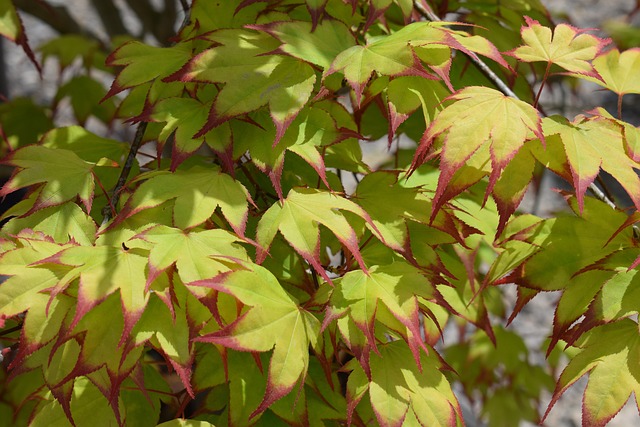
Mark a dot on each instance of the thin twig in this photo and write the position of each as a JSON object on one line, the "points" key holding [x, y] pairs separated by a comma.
{"points": [[479, 63], [484, 68], [107, 212]]}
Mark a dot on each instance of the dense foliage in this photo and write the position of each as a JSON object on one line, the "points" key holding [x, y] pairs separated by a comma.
{"points": [[244, 259]]}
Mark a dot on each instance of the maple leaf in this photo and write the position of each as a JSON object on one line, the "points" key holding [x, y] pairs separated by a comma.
{"points": [[319, 47], [197, 191], [25, 282], [197, 254], [274, 321], [480, 119], [103, 270], [567, 47], [397, 286], [63, 175], [184, 117], [64, 223], [609, 354], [617, 70], [241, 60], [298, 218], [398, 389], [591, 144], [168, 328], [11, 27], [568, 244], [400, 54], [143, 63]]}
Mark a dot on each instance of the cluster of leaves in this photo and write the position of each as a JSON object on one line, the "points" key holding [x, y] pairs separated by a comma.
{"points": [[266, 271]]}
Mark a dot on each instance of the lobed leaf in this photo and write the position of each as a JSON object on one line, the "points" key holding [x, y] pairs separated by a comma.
{"points": [[298, 218], [567, 47], [63, 175], [397, 386], [479, 119], [143, 63], [397, 286], [197, 191], [609, 354], [275, 321]]}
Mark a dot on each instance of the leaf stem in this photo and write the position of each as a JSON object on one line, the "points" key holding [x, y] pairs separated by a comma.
{"points": [[544, 80], [107, 214]]}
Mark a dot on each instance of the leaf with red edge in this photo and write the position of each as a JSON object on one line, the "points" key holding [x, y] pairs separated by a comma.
{"points": [[568, 244], [274, 321], [63, 175], [102, 271], [631, 133], [399, 389], [478, 118], [11, 27], [316, 10], [609, 354], [184, 117], [298, 218], [254, 77], [618, 70], [197, 254], [592, 144], [25, 282], [169, 331], [567, 47], [143, 63], [319, 47], [197, 192], [402, 54], [397, 286]]}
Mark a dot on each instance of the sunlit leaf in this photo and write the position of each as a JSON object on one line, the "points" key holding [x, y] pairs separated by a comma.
{"points": [[566, 46], [274, 321]]}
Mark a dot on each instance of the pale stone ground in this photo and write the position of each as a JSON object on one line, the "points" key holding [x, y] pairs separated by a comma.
{"points": [[534, 322]]}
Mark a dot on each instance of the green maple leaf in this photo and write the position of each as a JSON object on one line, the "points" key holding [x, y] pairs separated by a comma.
{"points": [[86, 145], [319, 47], [568, 244], [298, 218], [397, 386], [63, 175], [274, 321], [208, 16], [99, 334], [591, 144], [64, 223], [395, 286], [197, 192], [197, 254], [618, 70], [26, 282], [400, 54], [609, 354], [102, 271], [168, 329], [567, 47], [184, 117], [618, 295], [143, 63], [253, 78], [481, 121]]}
